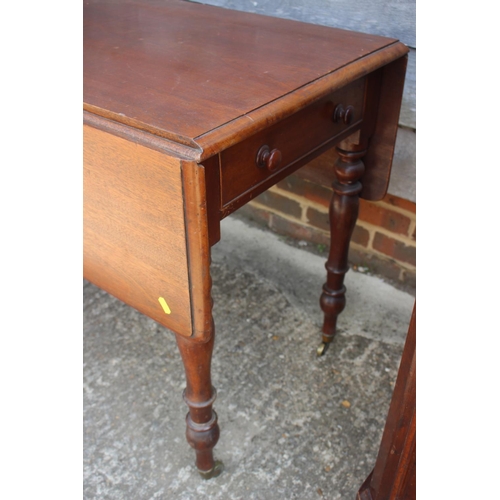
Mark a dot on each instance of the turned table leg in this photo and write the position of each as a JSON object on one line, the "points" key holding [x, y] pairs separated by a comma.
{"points": [[202, 430], [344, 208]]}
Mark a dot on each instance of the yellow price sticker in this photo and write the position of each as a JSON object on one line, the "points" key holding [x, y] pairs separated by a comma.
{"points": [[164, 305]]}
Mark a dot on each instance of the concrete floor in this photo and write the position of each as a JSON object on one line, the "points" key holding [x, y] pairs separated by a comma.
{"points": [[293, 426]]}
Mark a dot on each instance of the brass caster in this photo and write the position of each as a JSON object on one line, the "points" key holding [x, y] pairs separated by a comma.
{"points": [[214, 472], [323, 347]]}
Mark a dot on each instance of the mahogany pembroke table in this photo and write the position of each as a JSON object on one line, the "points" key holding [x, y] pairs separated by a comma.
{"points": [[190, 111]]}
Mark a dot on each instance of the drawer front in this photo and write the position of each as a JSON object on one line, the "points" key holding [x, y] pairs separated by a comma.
{"points": [[283, 144]]}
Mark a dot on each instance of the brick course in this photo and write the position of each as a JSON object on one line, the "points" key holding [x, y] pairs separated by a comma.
{"points": [[317, 218], [280, 203], [308, 190], [393, 248], [378, 215]]}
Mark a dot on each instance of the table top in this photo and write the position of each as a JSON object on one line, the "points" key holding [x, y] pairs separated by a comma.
{"points": [[181, 103], [196, 74]]}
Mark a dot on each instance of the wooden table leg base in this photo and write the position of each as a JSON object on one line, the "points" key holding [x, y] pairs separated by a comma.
{"points": [[215, 471], [365, 492], [203, 437], [202, 430], [323, 347]]}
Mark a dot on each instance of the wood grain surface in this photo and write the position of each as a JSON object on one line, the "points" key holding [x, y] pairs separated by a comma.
{"points": [[210, 85], [181, 69], [178, 99], [394, 474], [134, 234], [391, 18], [378, 160], [198, 247], [294, 137], [382, 107]]}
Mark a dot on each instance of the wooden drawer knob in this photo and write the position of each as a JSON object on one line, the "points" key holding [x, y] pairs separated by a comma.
{"points": [[268, 158], [345, 115]]}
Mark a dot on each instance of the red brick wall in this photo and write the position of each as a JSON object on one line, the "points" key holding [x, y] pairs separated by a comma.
{"points": [[384, 239]]}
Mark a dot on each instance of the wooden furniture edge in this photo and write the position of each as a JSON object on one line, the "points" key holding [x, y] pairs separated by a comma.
{"points": [[393, 476], [139, 125], [142, 137], [242, 127], [300, 162], [131, 191], [198, 248], [199, 236], [378, 160], [246, 125]]}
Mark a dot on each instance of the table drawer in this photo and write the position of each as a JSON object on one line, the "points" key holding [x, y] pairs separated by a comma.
{"points": [[283, 144]]}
